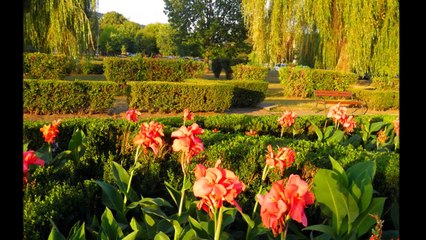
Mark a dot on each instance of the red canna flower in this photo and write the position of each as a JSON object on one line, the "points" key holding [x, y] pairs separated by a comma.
{"points": [[396, 126], [280, 160], [187, 141], [287, 119], [50, 131], [30, 159], [150, 136], [215, 130], [132, 115], [298, 196], [215, 185], [284, 202], [187, 115]]}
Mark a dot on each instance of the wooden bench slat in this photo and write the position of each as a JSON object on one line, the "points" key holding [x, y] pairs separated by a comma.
{"points": [[346, 98]]}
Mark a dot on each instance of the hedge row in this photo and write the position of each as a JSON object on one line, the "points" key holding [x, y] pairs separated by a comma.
{"points": [[175, 97], [249, 72], [381, 100], [385, 83], [58, 96], [301, 82], [87, 66], [121, 70], [68, 194], [245, 94], [46, 66]]}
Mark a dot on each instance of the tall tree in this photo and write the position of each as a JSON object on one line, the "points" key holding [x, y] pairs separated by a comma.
{"points": [[206, 26], [164, 40], [350, 35], [59, 26]]}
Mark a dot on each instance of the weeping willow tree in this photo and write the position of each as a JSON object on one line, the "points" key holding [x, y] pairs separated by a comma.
{"points": [[59, 26], [350, 35]]}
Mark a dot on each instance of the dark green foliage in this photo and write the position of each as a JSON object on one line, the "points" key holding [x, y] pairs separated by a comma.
{"points": [[226, 65], [216, 67], [379, 99], [91, 67], [248, 93], [175, 97], [249, 72], [45, 66], [57, 96], [301, 82]]}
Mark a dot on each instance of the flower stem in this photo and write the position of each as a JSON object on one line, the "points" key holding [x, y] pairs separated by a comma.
{"points": [[182, 195], [218, 229], [282, 131], [284, 233], [131, 174]]}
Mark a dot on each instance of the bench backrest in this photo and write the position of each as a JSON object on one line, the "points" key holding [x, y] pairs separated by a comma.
{"points": [[332, 93]]}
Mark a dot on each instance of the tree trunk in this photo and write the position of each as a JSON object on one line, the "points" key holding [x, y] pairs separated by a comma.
{"points": [[343, 62]]}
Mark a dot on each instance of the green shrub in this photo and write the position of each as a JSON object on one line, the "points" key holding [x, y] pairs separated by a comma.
{"points": [[247, 93], [92, 67], [175, 97], [216, 67], [301, 82], [57, 96], [249, 72], [379, 99], [45, 66], [385, 83]]}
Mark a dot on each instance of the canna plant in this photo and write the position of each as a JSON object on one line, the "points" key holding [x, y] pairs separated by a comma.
{"points": [[286, 121], [346, 198]]}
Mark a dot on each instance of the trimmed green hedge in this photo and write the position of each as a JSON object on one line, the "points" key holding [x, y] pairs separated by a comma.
{"points": [[91, 66], [58, 96], [301, 82], [175, 97], [249, 72], [385, 83], [67, 194], [46, 66], [247, 93], [381, 100]]}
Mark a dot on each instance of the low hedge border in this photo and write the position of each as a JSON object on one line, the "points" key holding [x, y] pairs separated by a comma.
{"points": [[249, 72], [59, 96], [380, 100], [46, 66], [175, 97]]}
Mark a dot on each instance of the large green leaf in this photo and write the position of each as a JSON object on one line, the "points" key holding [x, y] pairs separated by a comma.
{"points": [[54, 233], [132, 236], [228, 216], [329, 131], [317, 131], [367, 195], [365, 222], [109, 226], [161, 236], [336, 137], [324, 229], [122, 180], [248, 220], [339, 169], [111, 197], [374, 127], [175, 194], [328, 192], [77, 232], [196, 226], [77, 144], [358, 171]]}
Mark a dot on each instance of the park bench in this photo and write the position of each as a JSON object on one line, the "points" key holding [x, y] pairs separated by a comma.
{"points": [[345, 98]]}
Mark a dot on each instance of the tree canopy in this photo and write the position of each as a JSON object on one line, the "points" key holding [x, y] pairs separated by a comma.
{"points": [[351, 35], [205, 27], [59, 26]]}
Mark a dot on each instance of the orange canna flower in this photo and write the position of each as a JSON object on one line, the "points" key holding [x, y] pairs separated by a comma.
{"points": [[287, 119], [132, 115], [396, 126], [381, 137], [30, 159], [50, 131], [215, 185], [150, 136], [280, 160], [187, 141], [251, 133], [215, 130], [187, 115]]}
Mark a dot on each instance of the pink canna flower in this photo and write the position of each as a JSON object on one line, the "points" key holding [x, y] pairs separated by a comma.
{"points": [[396, 126], [298, 196], [187, 115], [284, 202], [280, 160], [287, 119], [187, 141], [50, 131], [132, 115], [30, 159], [150, 136], [216, 185], [348, 123], [337, 112]]}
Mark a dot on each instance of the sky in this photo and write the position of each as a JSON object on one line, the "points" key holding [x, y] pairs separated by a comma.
{"points": [[140, 11]]}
